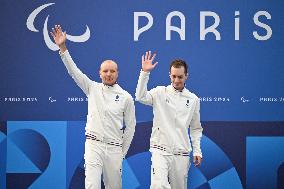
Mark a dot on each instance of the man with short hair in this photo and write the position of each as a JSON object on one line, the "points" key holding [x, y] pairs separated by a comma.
{"points": [[175, 110], [109, 106]]}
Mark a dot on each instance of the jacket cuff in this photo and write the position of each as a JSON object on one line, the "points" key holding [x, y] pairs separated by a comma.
{"points": [[197, 154], [64, 53], [143, 73]]}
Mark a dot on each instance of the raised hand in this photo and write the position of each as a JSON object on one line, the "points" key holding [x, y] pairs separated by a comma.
{"points": [[59, 37], [147, 62]]}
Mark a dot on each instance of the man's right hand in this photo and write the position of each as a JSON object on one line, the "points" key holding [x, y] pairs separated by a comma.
{"points": [[59, 38], [147, 62]]}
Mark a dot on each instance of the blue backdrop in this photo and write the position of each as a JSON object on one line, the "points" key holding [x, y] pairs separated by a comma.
{"points": [[236, 69]]}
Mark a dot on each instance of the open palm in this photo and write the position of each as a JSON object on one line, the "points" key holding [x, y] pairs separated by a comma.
{"points": [[58, 36], [147, 62]]}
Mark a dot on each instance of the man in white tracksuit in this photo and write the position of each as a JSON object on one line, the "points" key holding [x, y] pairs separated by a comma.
{"points": [[109, 107], [175, 110]]}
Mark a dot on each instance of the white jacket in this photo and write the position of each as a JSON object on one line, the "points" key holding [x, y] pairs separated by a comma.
{"points": [[174, 112], [109, 107]]}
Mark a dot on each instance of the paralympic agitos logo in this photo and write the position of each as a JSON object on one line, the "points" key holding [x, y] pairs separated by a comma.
{"points": [[49, 43]]}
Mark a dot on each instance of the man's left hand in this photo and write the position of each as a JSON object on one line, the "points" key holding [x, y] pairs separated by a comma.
{"points": [[197, 161]]}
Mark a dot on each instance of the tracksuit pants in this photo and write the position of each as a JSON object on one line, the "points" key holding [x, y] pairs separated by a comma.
{"points": [[169, 171], [102, 159]]}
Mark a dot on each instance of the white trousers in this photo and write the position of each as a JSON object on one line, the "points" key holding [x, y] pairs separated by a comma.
{"points": [[169, 171], [102, 159]]}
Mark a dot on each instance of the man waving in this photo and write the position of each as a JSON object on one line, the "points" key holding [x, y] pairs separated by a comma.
{"points": [[175, 110]]}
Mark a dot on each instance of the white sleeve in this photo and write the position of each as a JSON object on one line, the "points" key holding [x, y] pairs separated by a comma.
{"points": [[130, 122], [196, 130], [142, 95], [81, 79]]}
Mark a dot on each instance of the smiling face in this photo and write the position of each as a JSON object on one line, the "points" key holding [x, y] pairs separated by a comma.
{"points": [[178, 74], [178, 77], [109, 72]]}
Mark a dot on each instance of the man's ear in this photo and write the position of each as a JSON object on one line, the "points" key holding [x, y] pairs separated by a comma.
{"points": [[100, 74], [186, 76]]}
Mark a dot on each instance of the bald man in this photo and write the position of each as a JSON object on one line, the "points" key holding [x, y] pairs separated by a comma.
{"points": [[109, 107]]}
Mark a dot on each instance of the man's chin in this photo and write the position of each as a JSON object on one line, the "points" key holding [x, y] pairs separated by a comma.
{"points": [[178, 87], [109, 83]]}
